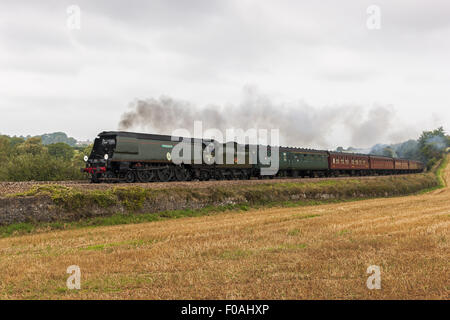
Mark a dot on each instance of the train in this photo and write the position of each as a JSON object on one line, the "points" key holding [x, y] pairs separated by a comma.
{"points": [[119, 156]]}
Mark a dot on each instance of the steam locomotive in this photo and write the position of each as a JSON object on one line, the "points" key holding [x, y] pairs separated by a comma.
{"points": [[135, 157]]}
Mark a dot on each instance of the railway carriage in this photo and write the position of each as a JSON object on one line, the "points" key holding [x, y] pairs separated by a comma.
{"points": [[401, 165], [348, 163], [415, 166], [381, 165], [296, 162]]}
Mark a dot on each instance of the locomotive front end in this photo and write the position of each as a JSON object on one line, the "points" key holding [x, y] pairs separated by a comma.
{"points": [[98, 161]]}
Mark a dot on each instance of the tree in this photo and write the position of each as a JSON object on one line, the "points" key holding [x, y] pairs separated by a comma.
{"points": [[5, 152], [432, 144], [14, 141], [5, 146], [61, 150], [388, 152], [407, 150], [31, 146], [56, 137]]}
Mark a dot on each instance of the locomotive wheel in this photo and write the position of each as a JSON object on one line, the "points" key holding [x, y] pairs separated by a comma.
{"points": [[110, 176], [181, 174], [229, 175], [130, 177], [204, 175], [245, 175], [189, 174], [95, 178], [220, 175], [165, 175], [145, 175]]}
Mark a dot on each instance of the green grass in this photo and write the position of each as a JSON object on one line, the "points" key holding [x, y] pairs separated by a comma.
{"points": [[287, 246], [440, 171], [132, 243], [294, 232], [235, 254]]}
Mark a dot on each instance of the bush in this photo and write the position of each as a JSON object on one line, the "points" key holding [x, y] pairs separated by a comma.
{"points": [[28, 159], [61, 150], [41, 167]]}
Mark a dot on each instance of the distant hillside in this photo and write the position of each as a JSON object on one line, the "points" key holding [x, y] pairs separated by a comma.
{"points": [[354, 150], [55, 137], [408, 149]]}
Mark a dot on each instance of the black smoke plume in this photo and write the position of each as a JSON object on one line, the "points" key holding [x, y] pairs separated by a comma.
{"points": [[300, 124]]}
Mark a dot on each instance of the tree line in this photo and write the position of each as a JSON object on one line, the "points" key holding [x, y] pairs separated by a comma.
{"points": [[27, 159]]}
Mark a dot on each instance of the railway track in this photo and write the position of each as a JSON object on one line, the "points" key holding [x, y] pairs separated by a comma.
{"points": [[23, 186]]}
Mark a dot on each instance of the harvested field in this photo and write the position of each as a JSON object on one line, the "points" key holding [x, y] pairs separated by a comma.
{"points": [[277, 253]]}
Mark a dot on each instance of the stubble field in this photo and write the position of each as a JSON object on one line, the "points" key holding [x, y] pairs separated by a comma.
{"points": [[276, 253]]}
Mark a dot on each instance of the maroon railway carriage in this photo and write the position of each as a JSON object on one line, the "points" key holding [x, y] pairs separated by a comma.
{"points": [[351, 163], [415, 166], [379, 164], [401, 165]]}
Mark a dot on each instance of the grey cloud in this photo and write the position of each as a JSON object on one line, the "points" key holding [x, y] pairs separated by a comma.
{"points": [[206, 50]]}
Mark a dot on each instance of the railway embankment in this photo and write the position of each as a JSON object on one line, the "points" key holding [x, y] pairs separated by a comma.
{"points": [[57, 204]]}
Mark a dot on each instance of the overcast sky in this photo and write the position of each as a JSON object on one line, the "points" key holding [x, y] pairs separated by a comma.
{"points": [[206, 52]]}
